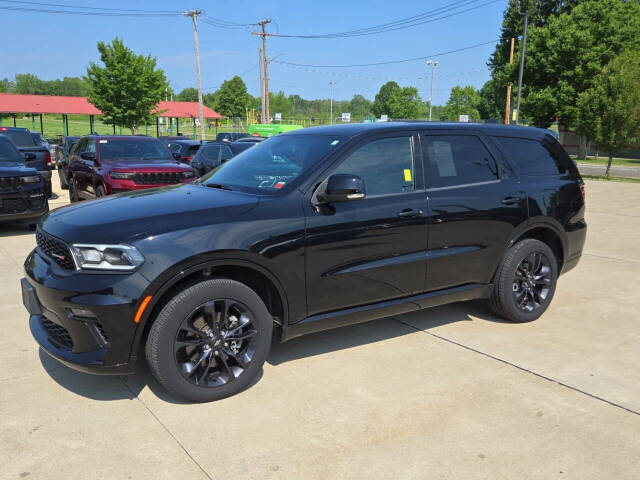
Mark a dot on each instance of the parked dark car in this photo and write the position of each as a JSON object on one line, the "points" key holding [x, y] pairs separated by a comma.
{"points": [[22, 189], [102, 165], [24, 142], [63, 152], [166, 139], [251, 139], [230, 136], [211, 155], [184, 149], [310, 230], [42, 142]]}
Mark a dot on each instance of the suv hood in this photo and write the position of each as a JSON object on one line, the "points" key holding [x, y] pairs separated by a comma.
{"points": [[142, 165], [129, 216], [14, 169]]}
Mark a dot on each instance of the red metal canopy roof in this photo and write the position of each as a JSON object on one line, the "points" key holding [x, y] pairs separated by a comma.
{"points": [[11, 103], [184, 110], [14, 103]]}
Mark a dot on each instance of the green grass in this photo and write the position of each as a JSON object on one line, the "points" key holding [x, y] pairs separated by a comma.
{"points": [[79, 125], [599, 178], [620, 162]]}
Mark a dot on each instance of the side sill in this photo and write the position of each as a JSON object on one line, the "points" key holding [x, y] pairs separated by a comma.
{"points": [[350, 316]]}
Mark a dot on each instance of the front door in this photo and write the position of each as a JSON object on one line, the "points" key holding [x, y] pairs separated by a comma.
{"points": [[475, 204], [365, 251]]}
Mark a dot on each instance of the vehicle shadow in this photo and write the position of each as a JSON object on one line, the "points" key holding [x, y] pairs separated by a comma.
{"points": [[107, 388], [378, 330], [12, 229]]}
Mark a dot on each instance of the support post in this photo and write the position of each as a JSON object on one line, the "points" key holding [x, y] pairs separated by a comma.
{"points": [[41, 125], [14, 119], [522, 55], [91, 124], [157, 127], [507, 112]]}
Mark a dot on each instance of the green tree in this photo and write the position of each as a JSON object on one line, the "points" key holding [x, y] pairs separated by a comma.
{"points": [[565, 56], [27, 83], [405, 103], [127, 88], [232, 99], [381, 103], [609, 112], [360, 107], [188, 94], [6, 86], [462, 101]]}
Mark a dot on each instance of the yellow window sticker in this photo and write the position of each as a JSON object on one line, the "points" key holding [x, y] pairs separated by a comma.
{"points": [[407, 175]]}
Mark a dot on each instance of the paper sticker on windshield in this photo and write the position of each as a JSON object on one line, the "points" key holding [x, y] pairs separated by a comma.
{"points": [[335, 142], [102, 141], [279, 185], [407, 175]]}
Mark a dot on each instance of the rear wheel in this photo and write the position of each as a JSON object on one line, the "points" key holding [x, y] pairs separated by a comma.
{"points": [[64, 184], [73, 191], [210, 341], [100, 191], [525, 282]]}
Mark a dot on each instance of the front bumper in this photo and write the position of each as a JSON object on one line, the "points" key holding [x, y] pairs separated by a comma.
{"points": [[25, 205], [102, 342]]}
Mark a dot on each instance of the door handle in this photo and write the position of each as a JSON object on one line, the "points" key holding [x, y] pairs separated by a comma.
{"points": [[410, 213], [511, 200]]}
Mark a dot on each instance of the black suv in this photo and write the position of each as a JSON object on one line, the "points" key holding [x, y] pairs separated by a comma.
{"points": [[22, 189], [310, 230]]}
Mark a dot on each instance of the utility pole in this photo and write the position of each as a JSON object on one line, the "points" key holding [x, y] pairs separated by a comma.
{"points": [[331, 84], [265, 111], [524, 48], [507, 111], [194, 17], [261, 68], [433, 64]]}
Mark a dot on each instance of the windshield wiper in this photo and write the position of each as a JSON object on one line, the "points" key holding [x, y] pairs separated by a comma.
{"points": [[218, 185]]}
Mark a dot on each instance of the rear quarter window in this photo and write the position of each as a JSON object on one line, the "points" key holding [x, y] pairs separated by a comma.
{"points": [[532, 157]]}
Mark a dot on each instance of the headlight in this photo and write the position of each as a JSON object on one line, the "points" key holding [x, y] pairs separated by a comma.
{"points": [[106, 257], [122, 175], [30, 179]]}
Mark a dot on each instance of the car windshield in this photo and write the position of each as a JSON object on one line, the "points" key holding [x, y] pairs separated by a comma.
{"points": [[20, 138], [270, 165], [8, 153], [212, 152], [125, 149]]}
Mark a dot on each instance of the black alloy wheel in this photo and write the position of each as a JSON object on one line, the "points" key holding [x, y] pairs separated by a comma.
{"points": [[532, 282], [216, 343], [525, 281], [210, 340]]}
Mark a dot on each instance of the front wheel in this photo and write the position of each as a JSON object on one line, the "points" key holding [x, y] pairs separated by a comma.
{"points": [[525, 282], [64, 184], [73, 191], [210, 341]]}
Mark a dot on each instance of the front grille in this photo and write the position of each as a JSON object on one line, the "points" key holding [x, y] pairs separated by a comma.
{"points": [[37, 199], [159, 178], [12, 206], [58, 335], [10, 183], [55, 249]]}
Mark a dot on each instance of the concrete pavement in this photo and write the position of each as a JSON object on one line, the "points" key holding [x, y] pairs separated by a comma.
{"points": [[451, 392]]}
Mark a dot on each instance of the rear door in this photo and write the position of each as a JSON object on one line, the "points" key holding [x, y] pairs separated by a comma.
{"points": [[366, 251], [475, 204]]}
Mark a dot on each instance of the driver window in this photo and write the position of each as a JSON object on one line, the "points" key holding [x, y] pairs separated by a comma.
{"points": [[385, 165]]}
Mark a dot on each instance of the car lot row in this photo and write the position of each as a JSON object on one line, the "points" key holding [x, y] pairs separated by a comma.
{"points": [[93, 166]]}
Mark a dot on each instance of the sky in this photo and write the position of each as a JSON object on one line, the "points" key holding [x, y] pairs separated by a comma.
{"points": [[53, 45]]}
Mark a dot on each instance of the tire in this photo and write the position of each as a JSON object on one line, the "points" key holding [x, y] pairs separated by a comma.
{"points": [[167, 360], [48, 189], [100, 191], [518, 296], [73, 191], [64, 183]]}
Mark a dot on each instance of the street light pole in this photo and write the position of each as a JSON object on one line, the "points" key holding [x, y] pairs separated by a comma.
{"points": [[433, 64], [331, 84]]}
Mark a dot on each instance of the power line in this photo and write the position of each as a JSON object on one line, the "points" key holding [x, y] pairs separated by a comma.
{"points": [[82, 10], [421, 19], [390, 62]]}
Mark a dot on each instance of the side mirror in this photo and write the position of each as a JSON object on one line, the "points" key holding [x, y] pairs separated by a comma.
{"points": [[88, 156], [176, 155], [29, 156], [342, 188]]}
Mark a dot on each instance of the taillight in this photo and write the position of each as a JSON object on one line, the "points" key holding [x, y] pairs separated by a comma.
{"points": [[47, 157], [186, 159], [582, 191]]}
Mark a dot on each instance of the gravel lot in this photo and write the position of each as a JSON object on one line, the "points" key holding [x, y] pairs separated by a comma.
{"points": [[450, 392]]}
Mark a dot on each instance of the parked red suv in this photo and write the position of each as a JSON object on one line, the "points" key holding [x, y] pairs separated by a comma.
{"points": [[102, 165]]}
